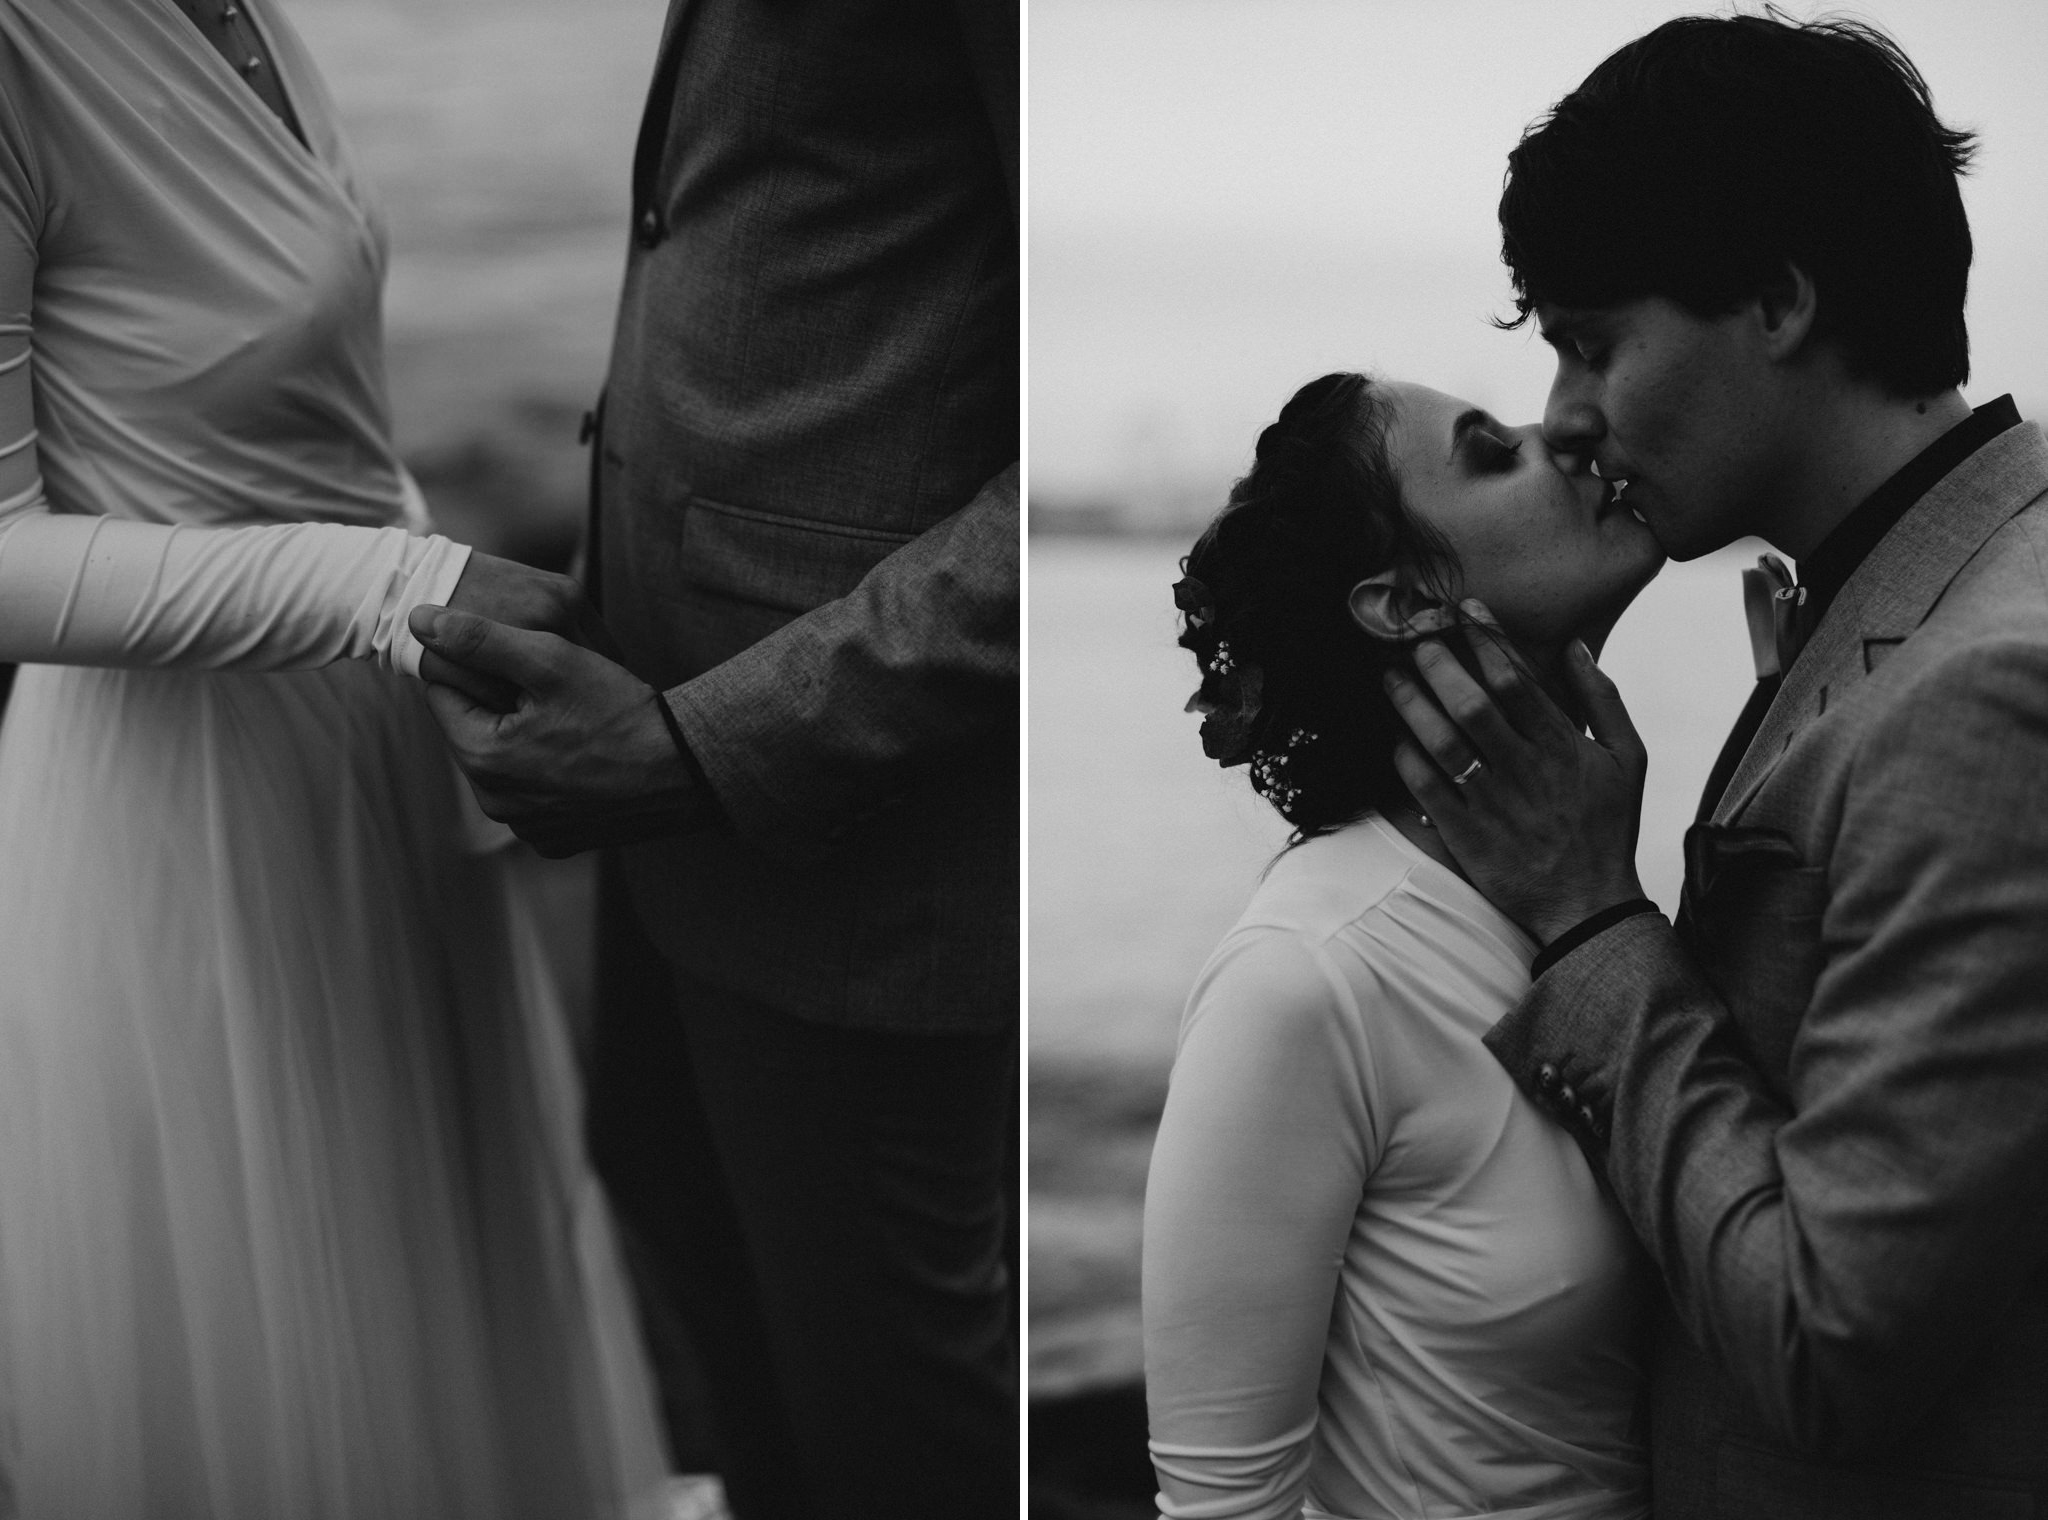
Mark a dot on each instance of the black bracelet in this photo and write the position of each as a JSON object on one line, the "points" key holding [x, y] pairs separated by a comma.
{"points": [[1585, 929]]}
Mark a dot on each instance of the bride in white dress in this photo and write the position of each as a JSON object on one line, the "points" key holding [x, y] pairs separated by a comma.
{"points": [[1379, 1283], [293, 1216]]}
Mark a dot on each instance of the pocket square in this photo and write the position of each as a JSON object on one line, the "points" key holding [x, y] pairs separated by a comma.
{"points": [[1714, 850], [1753, 916]]}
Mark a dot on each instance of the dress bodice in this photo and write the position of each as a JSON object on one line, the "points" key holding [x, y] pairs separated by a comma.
{"points": [[190, 337], [206, 293]]}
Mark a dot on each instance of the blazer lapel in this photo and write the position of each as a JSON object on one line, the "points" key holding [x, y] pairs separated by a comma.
{"points": [[654, 116], [673, 22], [1894, 589]]}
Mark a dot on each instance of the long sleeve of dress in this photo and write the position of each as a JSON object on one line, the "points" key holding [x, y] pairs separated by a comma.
{"points": [[1267, 1141], [82, 587]]}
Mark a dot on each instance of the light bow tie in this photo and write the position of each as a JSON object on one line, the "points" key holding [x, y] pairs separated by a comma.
{"points": [[1772, 599]]}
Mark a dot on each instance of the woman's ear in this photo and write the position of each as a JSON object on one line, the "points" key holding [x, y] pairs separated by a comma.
{"points": [[1386, 609]]}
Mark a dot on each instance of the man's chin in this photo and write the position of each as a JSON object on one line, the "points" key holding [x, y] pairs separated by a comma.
{"points": [[1683, 541], [1680, 548]]}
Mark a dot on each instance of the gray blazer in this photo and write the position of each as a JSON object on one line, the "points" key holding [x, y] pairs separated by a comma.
{"points": [[806, 524], [1823, 1098]]}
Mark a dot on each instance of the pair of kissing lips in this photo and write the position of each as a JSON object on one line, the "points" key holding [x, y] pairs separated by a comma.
{"points": [[1616, 486]]}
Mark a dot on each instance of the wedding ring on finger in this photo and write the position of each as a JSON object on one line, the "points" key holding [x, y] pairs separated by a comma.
{"points": [[1469, 772]]}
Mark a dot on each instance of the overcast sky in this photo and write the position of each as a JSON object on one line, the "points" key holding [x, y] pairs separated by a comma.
{"points": [[1229, 198]]}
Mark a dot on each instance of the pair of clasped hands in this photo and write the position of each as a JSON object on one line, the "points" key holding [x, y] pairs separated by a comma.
{"points": [[558, 739], [1541, 817]]}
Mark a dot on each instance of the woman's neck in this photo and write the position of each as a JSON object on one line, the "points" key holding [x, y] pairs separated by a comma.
{"points": [[1415, 828]]}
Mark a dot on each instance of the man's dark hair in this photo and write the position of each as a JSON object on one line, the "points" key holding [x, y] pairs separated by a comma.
{"points": [[1705, 156]]}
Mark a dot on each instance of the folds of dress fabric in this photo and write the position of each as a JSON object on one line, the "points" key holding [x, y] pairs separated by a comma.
{"points": [[292, 1219]]}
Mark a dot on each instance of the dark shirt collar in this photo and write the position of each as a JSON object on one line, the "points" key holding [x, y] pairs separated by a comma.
{"points": [[1825, 571]]}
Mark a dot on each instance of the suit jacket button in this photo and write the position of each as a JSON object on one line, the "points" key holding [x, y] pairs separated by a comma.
{"points": [[1546, 1079], [1567, 1097], [647, 229], [1593, 1125]]}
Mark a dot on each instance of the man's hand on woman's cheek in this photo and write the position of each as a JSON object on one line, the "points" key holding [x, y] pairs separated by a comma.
{"points": [[1542, 818]]}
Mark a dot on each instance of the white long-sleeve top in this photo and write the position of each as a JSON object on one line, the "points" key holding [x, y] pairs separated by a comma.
{"points": [[1378, 1282], [196, 465]]}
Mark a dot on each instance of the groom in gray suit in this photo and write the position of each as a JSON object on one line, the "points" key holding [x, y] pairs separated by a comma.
{"points": [[1822, 1095], [805, 541]]}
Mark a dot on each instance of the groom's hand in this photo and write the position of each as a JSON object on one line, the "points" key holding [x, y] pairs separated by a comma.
{"points": [[1545, 824], [581, 757], [517, 596]]}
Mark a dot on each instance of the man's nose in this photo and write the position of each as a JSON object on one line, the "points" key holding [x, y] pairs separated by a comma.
{"points": [[1572, 423]]}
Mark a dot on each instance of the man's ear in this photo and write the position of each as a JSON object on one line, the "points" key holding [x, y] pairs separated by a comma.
{"points": [[1386, 609], [1787, 307]]}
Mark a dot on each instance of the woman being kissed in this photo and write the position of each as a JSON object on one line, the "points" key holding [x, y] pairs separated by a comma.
{"points": [[1377, 1280]]}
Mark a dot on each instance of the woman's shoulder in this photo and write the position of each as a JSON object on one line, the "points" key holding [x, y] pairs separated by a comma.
{"points": [[1317, 888], [39, 68], [1364, 926], [1288, 987], [1278, 955]]}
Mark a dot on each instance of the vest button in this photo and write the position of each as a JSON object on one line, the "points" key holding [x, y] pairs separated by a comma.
{"points": [[647, 229]]}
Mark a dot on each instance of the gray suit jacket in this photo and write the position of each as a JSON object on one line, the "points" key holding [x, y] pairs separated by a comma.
{"points": [[806, 513], [1823, 1098]]}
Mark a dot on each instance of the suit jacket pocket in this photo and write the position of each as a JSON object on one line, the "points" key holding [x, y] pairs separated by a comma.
{"points": [[1752, 915], [773, 560]]}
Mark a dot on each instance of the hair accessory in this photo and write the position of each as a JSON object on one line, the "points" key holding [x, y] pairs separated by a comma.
{"points": [[1196, 600], [1229, 715], [1469, 772], [1270, 774], [1232, 688]]}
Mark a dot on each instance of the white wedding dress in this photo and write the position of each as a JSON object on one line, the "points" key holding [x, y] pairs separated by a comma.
{"points": [[1379, 1283], [294, 1221]]}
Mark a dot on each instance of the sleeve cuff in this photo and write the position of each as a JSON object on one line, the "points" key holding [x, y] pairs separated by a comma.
{"points": [[432, 581], [1587, 928], [704, 806]]}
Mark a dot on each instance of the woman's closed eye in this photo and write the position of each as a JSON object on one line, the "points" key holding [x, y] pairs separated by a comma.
{"points": [[1494, 454], [1480, 443]]}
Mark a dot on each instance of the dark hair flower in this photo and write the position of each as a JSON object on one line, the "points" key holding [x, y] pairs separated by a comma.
{"points": [[1228, 716]]}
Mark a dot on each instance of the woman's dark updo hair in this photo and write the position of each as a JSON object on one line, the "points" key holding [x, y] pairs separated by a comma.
{"points": [[1290, 683]]}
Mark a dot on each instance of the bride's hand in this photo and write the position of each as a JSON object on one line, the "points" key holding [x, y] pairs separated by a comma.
{"points": [[1542, 818], [517, 596], [583, 758]]}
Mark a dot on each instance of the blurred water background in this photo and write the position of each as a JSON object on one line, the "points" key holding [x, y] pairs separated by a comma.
{"points": [[1228, 198], [498, 136]]}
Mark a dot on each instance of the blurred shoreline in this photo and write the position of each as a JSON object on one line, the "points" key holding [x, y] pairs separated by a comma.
{"points": [[508, 242], [1175, 514]]}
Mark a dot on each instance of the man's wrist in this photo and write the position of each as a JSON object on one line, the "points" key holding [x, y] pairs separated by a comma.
{"points": [[1590, 927]]}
